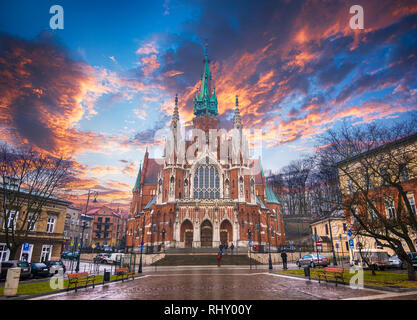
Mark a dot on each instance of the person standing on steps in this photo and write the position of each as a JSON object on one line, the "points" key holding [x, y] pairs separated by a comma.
{"points": [[219, 257], [225, 248], [232, 246], [284, 260]]}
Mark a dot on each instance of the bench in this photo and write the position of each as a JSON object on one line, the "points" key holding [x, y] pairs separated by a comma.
{"points": [[335, 273], [79, 278], [124, 273]]}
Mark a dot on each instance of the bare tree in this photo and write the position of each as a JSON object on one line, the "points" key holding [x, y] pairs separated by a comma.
{"points": [[29, 181], [377, 168]]}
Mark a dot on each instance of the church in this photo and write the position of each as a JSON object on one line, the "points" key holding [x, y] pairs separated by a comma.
{"points": [[205, 190]]}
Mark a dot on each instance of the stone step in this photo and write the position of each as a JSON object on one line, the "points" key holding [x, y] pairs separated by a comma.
{"points": [[201, 260]]}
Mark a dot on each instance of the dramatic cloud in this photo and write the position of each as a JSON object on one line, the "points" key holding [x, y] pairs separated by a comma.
{"points": [[296, 66]]}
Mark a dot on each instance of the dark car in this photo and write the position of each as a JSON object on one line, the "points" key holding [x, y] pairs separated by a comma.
{"points": [[25, 268], [70, 255], [55, 265], [40, 269], [65, 254]]}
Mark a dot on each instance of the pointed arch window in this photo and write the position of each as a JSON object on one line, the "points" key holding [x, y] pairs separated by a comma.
{"points": [[206, 182]]}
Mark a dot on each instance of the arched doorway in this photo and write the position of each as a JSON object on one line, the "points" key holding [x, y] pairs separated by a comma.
{"points": [[206, 235], [186, 235], [226, 232]]}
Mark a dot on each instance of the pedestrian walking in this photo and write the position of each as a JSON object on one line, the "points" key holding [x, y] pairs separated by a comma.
{"points": [[284, 259], [219, 257], [232, 246]]}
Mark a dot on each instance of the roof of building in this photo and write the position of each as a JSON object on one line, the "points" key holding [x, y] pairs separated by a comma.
{"points": [[270, 196], [154, 166], [259, 201], [148, 206], [386, 146], [34, 193]]}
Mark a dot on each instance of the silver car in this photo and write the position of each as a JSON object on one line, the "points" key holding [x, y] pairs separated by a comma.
{"points": [[395, 262], [312, 260]]}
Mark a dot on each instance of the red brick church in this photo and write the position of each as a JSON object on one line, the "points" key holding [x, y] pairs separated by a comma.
{"points": [[204, 191]]}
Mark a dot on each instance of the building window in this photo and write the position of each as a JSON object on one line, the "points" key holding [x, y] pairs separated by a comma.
{"points": [[31, 222], [372, 213], [344, 227], [412, 204], [4, 252], [206, 182], [347, 245], [11, 223], [46, 252], [107, 220], [350, 186], [327, 228], [390, 209], [50, 225]]}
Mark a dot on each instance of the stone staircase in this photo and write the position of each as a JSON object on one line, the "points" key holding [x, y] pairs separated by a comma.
{"points": [[201, 259]]}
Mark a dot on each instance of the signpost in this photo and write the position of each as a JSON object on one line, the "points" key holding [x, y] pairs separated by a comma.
{"points": [[319, 246]]}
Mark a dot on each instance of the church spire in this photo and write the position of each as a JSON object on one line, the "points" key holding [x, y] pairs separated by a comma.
{"points": [[237, 121], [137, 184], [205, 101], [175, 115]]}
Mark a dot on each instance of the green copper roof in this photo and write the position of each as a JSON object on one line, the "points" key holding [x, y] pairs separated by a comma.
{"points": [[259, 201], [137, 184], [205, 101], [270, 196], [150, 203]]}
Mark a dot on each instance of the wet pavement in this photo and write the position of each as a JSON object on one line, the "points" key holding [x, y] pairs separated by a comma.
{"points": [[203, 283]]}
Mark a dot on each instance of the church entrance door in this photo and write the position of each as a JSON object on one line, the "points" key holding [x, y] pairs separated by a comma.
{"points": [[206, 235], [226, 232], [186, 234]]}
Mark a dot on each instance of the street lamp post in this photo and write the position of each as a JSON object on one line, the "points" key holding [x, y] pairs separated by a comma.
{"points": [[141, 245], [250, 248], [163, 239], [269, 245]]}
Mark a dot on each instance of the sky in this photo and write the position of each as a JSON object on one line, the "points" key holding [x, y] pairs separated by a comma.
{"points": [[98, 90]]}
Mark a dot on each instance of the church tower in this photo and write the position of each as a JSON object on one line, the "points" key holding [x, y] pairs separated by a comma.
{"points": [[205, 101]]}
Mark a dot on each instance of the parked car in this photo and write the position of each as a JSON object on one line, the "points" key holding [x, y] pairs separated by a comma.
{"points": [[312, 260], [396, 262], [40, 269], [25, 271], [55, 265], [376, 257], [102, 258], [70, 255]]}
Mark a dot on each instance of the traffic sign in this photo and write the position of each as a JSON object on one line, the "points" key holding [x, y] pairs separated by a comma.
{"points": [[351, 244], [93, 245], [142, 243], [349, 233], [26, 246], [141, 247], [348, 225], [250, 242], [72, 243]]}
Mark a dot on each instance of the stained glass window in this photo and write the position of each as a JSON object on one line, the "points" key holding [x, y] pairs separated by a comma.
{"points": [[206, 182]]}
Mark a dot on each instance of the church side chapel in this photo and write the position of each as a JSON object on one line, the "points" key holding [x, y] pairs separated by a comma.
{"points": [[205, 191]]}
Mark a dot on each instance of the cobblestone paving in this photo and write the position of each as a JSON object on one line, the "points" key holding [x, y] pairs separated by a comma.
{"points": [[214, 284]]}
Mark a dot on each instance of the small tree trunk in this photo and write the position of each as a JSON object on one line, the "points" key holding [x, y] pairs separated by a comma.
{"points": [[411, 272]]}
